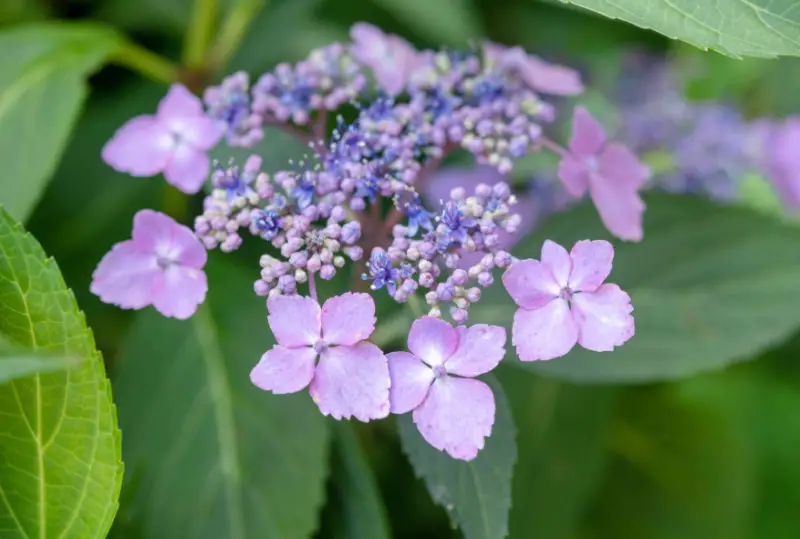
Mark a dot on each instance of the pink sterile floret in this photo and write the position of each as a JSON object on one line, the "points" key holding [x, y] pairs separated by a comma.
{"points": [[453, 412], [162, 266], [352, 376], [390, 57], [173, 141], [562, 300], [538, 75]]}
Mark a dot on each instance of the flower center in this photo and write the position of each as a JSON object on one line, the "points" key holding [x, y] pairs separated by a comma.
{"points": [[320, 346], [164, 262], [439, 371], [566, 293], [592, 164]]}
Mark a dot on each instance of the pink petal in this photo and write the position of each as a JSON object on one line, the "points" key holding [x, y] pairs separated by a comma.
{"points": [[188, 169], [348, 319], [783, 161], [544, 333], [619, 165], [160, 234], [294, 320], [411, 379], [201, 132], [456, 416], [574, 174], [480, 349], [557, 260], [530, 284], [284, 370], [588, 136], [551, 78], [352, 381], [179, 291], [141, 147], [179, 104], [620, 208], [390, 57], [591, 264], [126, 276], [432, 340], [603, 318]]}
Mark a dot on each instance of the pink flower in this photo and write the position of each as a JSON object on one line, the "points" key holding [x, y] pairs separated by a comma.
{"points": [[390, 57], [173, 141], [453, 412], [782, 160], [562, 300], [162, 266], [610, 171], [538, 74], [352, 376]]}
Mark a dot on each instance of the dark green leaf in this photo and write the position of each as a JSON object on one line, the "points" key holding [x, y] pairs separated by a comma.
{"points": [[710, 286], [213, 455], [476, 494], [59, 444], [446, 22], [43, 68], [19, 361]]}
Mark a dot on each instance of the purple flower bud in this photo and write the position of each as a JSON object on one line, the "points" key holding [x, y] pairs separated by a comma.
{"points": [[474, 294], [431, 298], [459, 315], [502, 259], [298, 259], [426, 280], [338, 214], [351, 232], [287, 284], [355, 252], [261, 288], [327, 272], [460, 277], [314, 264], [485, 279], [231, 243]]}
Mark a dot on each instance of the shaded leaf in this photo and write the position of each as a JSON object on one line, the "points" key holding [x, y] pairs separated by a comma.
{"points": [[446, 22], [213, 455], [59, 444]]}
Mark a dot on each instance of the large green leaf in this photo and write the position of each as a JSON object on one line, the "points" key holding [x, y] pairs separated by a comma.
{"points": [[59, 443], [43, 68], [19, 361], [211, 455], [710, 286], [445, 22], [764, 28], [476, 494]]}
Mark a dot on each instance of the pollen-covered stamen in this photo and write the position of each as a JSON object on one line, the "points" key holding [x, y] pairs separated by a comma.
{"points": [[320, 346], [439, 371], [566, 293]]}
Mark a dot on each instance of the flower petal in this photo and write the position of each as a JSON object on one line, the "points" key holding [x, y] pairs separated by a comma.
{"points": [[545, 333], [352, 381], [456, 416], [294, 320], [141, 147], [603, 318], [284, 370], [432, 340], [619, 165], [160, 234], [348, 319], [550, 78], [202, 132], [591, 264], [620, 209], [411, 379], [480, 349], [530, 284], [188, 169], [588, 136], [179, 103], [178, 293], [782, 160], [557, 260], [126, 276]]}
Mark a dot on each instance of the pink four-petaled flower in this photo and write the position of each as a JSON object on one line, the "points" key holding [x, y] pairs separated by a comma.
{"points": [[537, 74], [390, 57], [162, 265], [453, 412], [173, 141], [352, 376], [562, 301], [611, 172]]}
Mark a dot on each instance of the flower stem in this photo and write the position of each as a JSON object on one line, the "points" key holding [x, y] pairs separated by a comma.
{"points": [[199, 34], [554, 147], [312, 286], [232, 31], [145, 62]]}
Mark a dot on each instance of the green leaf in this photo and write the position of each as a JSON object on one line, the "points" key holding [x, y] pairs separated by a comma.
{"points": [[445, 22], [60, 447], [19, 361], [476, 494], [213, 456], [763, 28], [710, 286], [358, 510], [43, 68]]}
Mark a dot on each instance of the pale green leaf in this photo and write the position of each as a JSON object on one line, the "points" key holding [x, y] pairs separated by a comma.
{"points": [[763, 28], [59, 442], [476, 494], [43, 68], [710, 286], [19, 361], [211, 455]]}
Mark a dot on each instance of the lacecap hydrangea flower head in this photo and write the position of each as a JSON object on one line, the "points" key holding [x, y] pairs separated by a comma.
{"points": [[364, 205]]}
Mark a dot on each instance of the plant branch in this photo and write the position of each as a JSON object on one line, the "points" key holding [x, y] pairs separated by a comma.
{"points": [[199, 33], [146, 62], [232, 31]]}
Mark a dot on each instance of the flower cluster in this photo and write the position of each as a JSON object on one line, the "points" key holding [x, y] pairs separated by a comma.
{"points": [[367, 189]]}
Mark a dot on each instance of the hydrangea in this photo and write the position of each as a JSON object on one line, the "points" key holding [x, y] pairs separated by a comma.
{"points": [[782, 160]]}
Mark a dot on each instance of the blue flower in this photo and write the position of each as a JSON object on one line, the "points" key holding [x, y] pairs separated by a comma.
{"points": [[267, 222], [417, 217], [233, 182], [382, 272], [457, 223], [304, 192], [368, 187]]}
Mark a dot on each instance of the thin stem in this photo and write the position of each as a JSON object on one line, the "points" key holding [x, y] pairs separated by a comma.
{"points": [[554, 146], [199, 34], [233, 29], [318, 131], [146, 62], [312, 286]]}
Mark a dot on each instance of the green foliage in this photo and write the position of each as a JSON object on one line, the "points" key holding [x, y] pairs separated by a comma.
{"points": [[710, 285], [762, 28], [200, 435], [59, 442], [476, 494], [42, 89], [19, 362], [447, 22]]}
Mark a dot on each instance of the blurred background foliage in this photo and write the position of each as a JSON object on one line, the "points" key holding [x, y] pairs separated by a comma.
{"points": [[712, 456]]}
